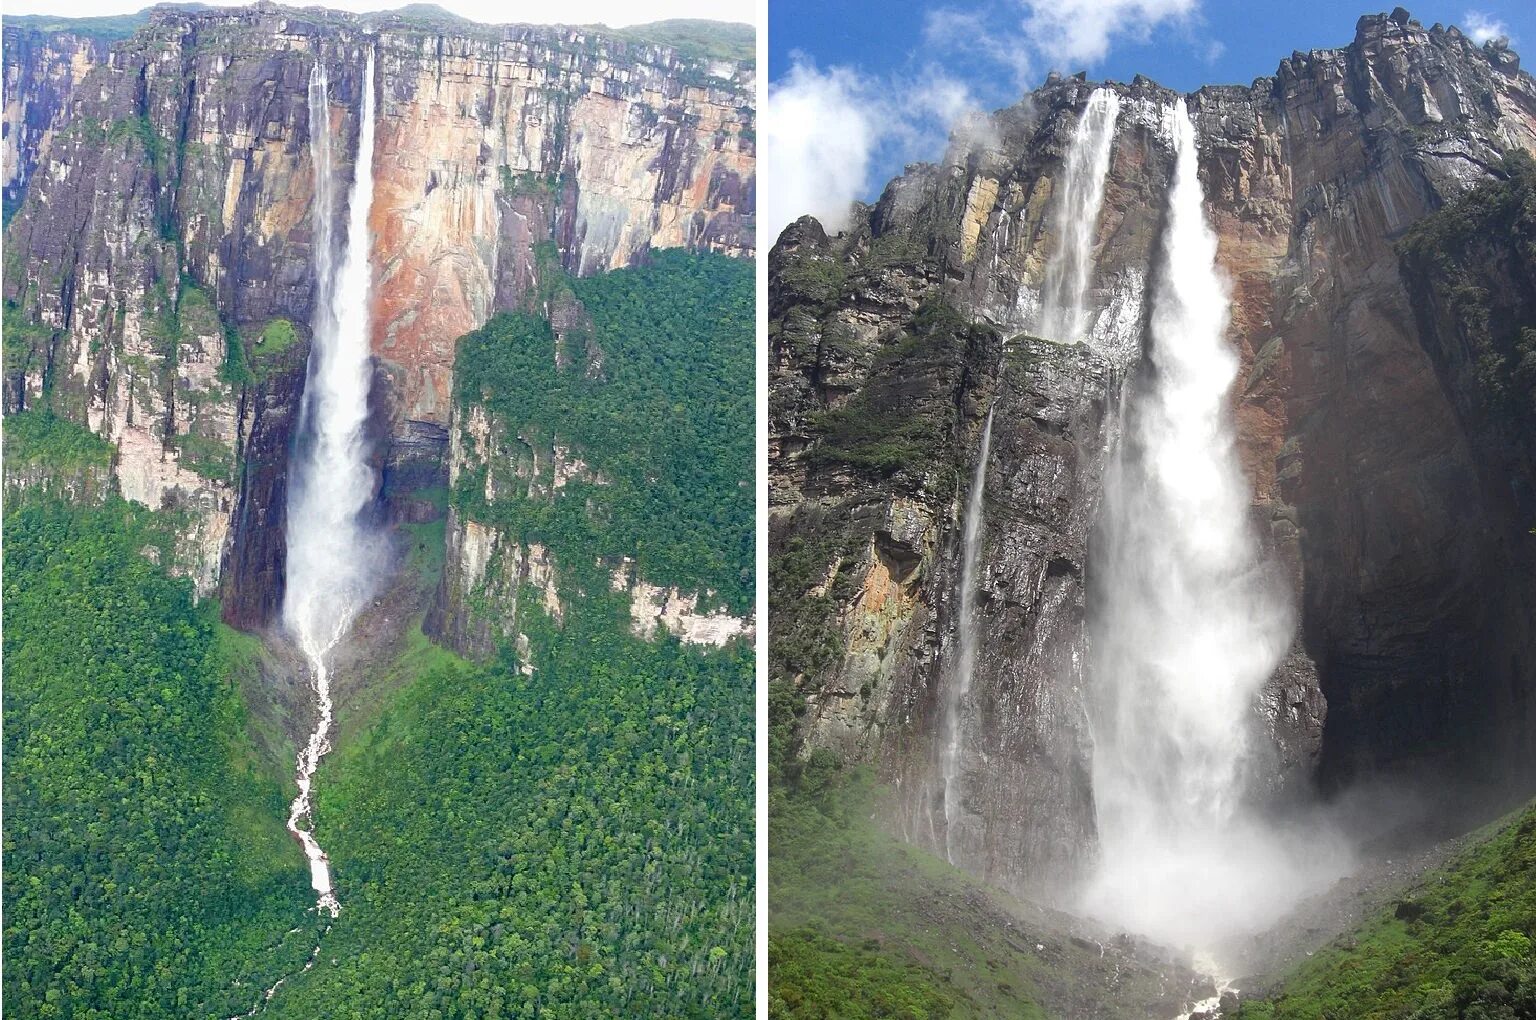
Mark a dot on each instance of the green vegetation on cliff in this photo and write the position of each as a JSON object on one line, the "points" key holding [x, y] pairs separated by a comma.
{"points": [[894, 423], [106, 28], [24, 340], [259, 358], [1459, 947], [39, 437], [656, 399], [696, 38], [1475, 256], [147, 873]]}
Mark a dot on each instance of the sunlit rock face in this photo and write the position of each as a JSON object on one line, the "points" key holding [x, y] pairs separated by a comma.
{"points": [[1371, 487], [174, 166], [490, 146]]}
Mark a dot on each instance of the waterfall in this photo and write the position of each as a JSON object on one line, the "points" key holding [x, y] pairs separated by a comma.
{"points": [[1187, 621], [959, 687], [1070, 269], [332, 554], [1067, 277]]}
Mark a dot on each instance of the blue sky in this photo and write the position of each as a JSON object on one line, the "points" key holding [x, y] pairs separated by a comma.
{"points": [[878, 83]]}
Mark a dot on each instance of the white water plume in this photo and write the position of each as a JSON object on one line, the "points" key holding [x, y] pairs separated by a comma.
{"points": [[1188, 622], [1079, 198], [333, 555], [959, 686]]}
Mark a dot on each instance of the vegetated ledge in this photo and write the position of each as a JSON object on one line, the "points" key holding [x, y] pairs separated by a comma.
{"points": [[48, 454]]}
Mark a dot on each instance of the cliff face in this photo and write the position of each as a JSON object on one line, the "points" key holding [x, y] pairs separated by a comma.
{"points": [[1370, 487], [42, 70], [160, 255], [489, 147]]}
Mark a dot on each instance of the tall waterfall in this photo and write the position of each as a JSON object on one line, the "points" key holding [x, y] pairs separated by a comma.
{"points": [[1067, 277], [959, 687], [1070, 269], [1187, 622], [332, 553]]}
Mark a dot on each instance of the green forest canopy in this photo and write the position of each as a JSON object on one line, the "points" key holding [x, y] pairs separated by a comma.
{"points": [[660, 403], [147, 870], [573, 843]]}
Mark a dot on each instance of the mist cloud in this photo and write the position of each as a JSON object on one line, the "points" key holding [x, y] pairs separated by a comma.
{"points": [[1482, 28], [825, 128]]}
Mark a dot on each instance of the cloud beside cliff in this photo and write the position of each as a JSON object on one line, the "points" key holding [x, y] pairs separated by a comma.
{"points": [[1481, 28], [823, 128], [826, 130], [818, 137]]}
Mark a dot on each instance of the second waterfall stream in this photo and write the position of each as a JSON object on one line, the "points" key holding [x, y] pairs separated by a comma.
{"points": [[1062, 318], [333, 554]]}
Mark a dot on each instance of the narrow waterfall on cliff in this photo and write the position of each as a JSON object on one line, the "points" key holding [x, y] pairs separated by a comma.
{"points": [[959, 686], [1070, 269], [1063, 318], [1187, 621], [332, 554]]}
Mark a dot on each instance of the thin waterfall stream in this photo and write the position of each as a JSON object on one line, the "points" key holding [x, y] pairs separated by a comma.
{"points": [[1067, 278], [965, 666]]}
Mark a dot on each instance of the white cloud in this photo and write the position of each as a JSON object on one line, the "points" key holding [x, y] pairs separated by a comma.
{"points": [[823, 129], [818, 136], [614, 13], [1072, 32], [977, 33], [1481, 28], [1067, 35]]}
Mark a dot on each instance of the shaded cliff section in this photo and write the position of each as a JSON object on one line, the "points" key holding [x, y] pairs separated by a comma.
{"points": [[159, 262], [42, 70], [1470, 272], [1409, 659]]}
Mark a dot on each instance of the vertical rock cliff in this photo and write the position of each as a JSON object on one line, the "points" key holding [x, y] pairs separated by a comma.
{"points": [[42, 71], [1376, 484], [158, 259]]}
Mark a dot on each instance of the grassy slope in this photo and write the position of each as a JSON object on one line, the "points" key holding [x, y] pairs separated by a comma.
{"points": [[1459, 946], [861, 921], [863, 924]]}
